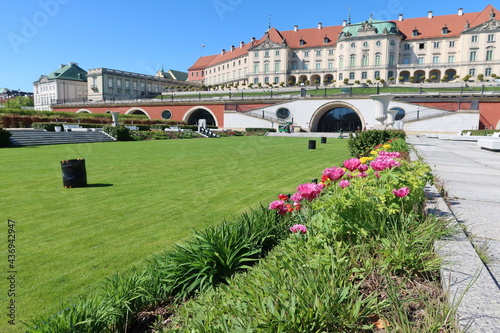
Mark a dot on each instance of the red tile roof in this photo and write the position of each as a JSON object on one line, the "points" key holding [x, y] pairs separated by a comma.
{"points": [[432, 27]]}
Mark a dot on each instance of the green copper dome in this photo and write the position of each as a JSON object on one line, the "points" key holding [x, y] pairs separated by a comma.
{"points": [[379, 27]]}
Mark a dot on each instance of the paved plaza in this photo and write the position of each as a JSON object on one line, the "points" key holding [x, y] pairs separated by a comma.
{"points": [[471, 176]]}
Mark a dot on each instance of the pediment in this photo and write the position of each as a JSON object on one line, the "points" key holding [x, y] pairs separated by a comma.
{"points": [[267, 44], [491, 25]]}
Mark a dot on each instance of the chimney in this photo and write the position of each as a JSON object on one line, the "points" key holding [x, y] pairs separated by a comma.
{"points": [[62, 65], [232, 48], [460, 11], [222, 52], [320, 25], [73, 63], [296, 28], [400, 17], [344, 23], [429, 14], [242, 44]]}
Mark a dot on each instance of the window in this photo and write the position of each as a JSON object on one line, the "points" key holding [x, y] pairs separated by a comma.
{"points": [[364, 60], [421, 46], [472, 56], [326, 40], [276, 67], [489, 55], [407, 46], [306, 64], [377, 59], [110, 83], [166, 114], [119, 83], [390, 74], [351, 76], [318, 64], [277, 52], [406, 60], [392, 43], [256, 54], [127, 84], [256, 68], [451, 43], [266, 67], [341, 46], [266, 54], [353, 45], [420, 60], [491, 38], [302, 42], [255, 81], [276, 79], [487, 72], [318, 52], [415, 33], [306, 53], [330, 65], [94, 82], [391, 59], [365, 44], [294, 66], [472, 72], [341, 62], [435, 45], [378, 43], [435, 59], [283, 113], [330, 52], [352, 61], [377, 74], [341, 76], [474, 39], [444, 31], [451, 58], [266, 80], [364, 75]]}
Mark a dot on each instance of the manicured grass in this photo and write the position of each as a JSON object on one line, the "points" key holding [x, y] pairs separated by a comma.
{"points": [[143, 197]]}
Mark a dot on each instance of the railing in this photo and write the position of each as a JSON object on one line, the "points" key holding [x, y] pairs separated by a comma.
{"points": [[209, 133]]}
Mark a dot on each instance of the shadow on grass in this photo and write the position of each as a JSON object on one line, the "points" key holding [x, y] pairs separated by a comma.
{"points": [[99, 185]]}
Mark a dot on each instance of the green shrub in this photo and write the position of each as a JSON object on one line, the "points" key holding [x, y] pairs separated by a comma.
{"points": [[120, 133], [257, 129], [361, 143], [4, 137]]}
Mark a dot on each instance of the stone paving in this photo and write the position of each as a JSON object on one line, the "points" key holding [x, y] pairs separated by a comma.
{"points": [[471, 176]]}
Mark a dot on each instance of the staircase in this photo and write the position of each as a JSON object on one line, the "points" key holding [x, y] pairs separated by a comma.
{"points": [[206, 132], [34, 137]]}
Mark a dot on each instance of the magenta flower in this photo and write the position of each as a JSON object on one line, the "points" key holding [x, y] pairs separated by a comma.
{"points": [[310, 191], [344, 183], [298, 228], [393, 154], [334, 173], [376, 174], [279, 205], [363, 168], [296, 197], [352, 164], [384, 162], [402, 192], [362, 174]]}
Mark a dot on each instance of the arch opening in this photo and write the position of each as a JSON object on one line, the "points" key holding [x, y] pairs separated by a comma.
{"points": [[339, 118], [198, 114]]}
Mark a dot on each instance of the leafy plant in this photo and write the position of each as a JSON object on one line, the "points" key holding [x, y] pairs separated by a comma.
{"points": [[4, 137]]}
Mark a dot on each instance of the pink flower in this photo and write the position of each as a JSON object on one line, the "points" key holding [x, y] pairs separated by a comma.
{"points": [[334, 173], [362, 174], [344, 183], [402, 192], [279, 205], [363, 168], [296, 197], [393, 154], [376, 174], [298, 228], [352, 164], [384, 162], [310, 191]]}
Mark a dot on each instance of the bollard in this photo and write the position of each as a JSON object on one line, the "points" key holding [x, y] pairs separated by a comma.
{"points": [[312, 144], [323, 139]]}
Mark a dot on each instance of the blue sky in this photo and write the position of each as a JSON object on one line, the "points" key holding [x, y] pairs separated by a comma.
{"points": [[36, 36]]}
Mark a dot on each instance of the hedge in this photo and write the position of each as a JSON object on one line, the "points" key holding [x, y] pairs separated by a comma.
{"points": [[4, 137]]}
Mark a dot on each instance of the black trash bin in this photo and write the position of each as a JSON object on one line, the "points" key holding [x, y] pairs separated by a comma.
{"points": [[323, 139], [312, 144], [74, 173]]}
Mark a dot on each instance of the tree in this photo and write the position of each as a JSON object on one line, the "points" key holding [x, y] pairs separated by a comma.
{"points": [[480, 77], [401, 79], [346, 81], [466, 78]]}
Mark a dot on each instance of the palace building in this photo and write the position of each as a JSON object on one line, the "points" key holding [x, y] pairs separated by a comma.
{"points": [[434, 48]]}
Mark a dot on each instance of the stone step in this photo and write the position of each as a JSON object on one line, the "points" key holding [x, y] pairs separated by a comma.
{"points": [[40, 137]]}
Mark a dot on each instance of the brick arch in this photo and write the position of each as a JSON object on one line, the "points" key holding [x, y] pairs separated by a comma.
{"points": [[192, 110], [83, 111], [134, 109], [322, 110]]}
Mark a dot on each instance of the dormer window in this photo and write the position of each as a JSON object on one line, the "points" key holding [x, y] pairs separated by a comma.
{"points": [[302, 42], [445, 30], [415, 32], [326, 40]]}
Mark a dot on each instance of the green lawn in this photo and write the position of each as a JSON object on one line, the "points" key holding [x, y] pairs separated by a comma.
{"points": [[142, 198]]}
